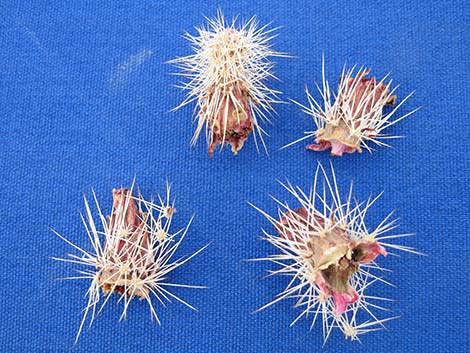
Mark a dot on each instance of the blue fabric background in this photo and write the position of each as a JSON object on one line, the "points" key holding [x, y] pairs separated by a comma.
{"points": [[85, 100]]}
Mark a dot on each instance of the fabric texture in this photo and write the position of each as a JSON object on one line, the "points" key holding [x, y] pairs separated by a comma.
{"points": [[86, 101]]}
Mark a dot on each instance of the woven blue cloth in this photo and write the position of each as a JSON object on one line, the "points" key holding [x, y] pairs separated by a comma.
{"points": [[85, 103]]}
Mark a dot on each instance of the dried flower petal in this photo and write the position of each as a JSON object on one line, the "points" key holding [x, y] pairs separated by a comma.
{"points": [[332, 252], [232, 123], [131, 249]]}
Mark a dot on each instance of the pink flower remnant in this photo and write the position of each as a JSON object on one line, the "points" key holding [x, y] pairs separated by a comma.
{"points": [[132, 245], [332, 253], [232, 122]]}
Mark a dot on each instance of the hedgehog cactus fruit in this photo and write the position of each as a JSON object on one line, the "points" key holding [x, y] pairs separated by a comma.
{"points": [[353, 117], [361, 95], [226, 78], [330, 255], [132, 242], [132, 255]]}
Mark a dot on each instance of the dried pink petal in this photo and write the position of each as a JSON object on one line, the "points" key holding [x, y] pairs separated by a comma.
{"points": [[132, 246], [232, 123]]}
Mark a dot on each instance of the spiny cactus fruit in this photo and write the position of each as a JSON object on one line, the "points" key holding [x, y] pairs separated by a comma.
{"points": [[353, 117], [331, 256], [226, 78], [131, 253]]}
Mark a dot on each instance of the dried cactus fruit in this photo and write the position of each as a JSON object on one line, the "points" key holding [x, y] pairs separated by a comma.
{"points": [[227, 77], [330, 254], [131, 254], [353, 117]]}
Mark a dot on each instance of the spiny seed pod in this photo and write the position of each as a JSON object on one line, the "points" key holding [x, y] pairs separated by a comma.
{"points": [[131, 254], [330, 254], [353, 117], [227, 81]]}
